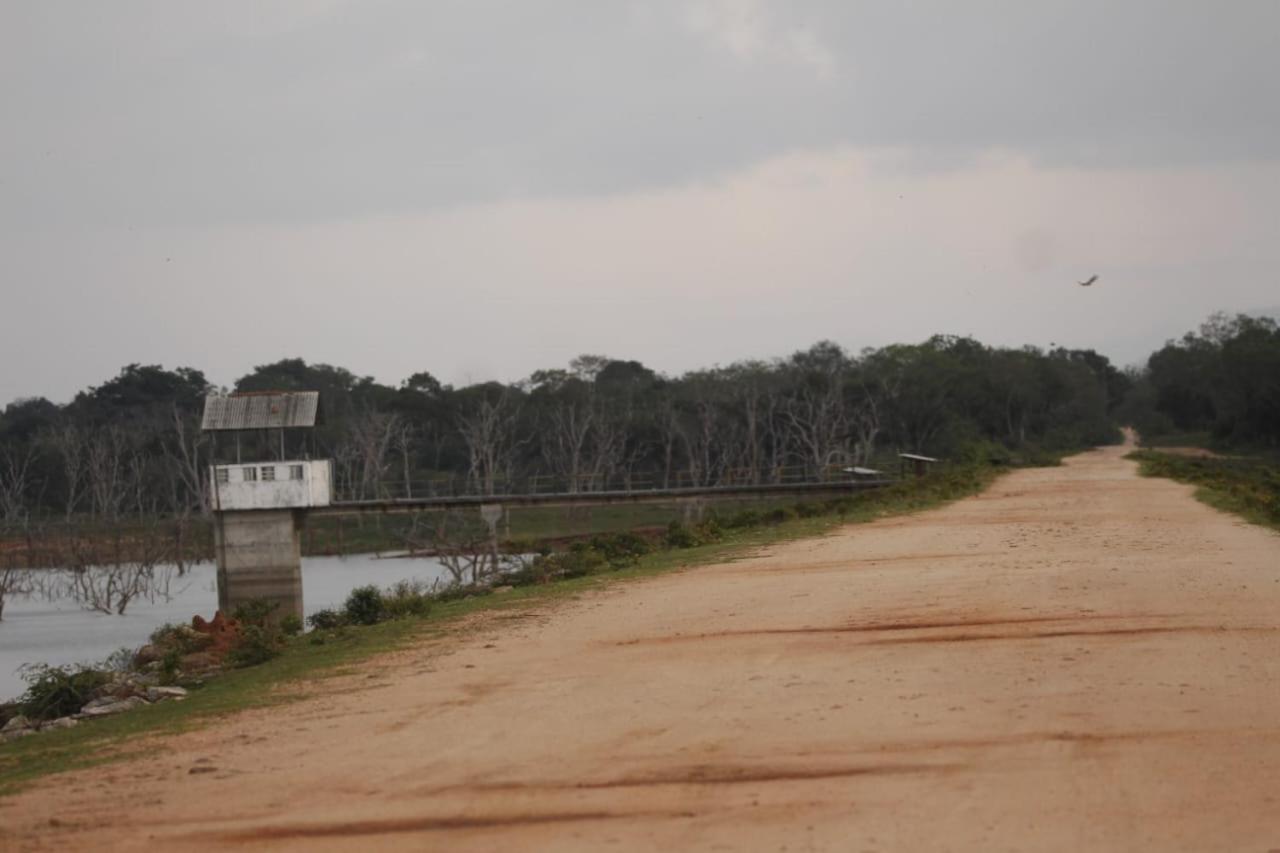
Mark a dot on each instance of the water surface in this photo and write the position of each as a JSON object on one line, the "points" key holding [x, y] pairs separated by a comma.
{"points": [[61, 632]]}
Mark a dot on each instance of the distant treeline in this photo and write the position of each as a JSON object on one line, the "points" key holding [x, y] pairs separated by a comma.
{"points": [[1221, 384], [132, 445]]}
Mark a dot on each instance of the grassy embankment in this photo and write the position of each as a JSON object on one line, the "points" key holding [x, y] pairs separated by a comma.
{"points": [[1248, 486], [290, 676]]}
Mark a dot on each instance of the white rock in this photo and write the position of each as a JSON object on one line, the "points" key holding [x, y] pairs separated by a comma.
{"points": [[60, 723], [16, 723], [112, 706], [156, 694]]}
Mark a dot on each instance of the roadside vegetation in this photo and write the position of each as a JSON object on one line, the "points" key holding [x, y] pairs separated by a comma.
{"points": [[268, 661], [1246, 485], [1207, 410]]}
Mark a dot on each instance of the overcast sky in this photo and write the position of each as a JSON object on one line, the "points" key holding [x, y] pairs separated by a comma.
{"points": [[480, 189]]}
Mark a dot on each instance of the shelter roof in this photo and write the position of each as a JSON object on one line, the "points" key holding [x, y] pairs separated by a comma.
{"points": [[260, 410]]}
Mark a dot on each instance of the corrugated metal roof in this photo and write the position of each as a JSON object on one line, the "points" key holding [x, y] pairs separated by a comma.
{"points": [[260, 410]]}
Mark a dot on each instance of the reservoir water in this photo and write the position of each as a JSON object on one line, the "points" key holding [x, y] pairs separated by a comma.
{"points": [[35, 630]]}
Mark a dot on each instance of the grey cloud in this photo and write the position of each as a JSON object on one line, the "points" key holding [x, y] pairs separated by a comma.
{"points": [[161, 112]]}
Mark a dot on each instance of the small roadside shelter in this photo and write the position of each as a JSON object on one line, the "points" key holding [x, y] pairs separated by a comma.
{"points": [[919, 464]]}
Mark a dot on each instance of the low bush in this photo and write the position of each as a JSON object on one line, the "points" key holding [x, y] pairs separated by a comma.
{"points": [[406, 598], [256, 644], [364, 606], [291, 625], [259, 637], [810, 510], [842, 506], [327, 619], [170, 665], [681, 536], [744, 519], [579, 561], [458, 592], [57, 691], [778, 515], [182, 638], [257, 611], [621, 549]]}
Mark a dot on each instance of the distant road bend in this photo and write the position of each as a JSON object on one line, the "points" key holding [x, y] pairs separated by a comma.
{"points": [[1078, 659]]}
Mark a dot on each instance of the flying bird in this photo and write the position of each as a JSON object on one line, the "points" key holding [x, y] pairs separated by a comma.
{"points": [[1088, 281]]}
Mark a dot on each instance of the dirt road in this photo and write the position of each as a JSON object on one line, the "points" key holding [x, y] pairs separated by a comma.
{"points": [[1079, 659]]}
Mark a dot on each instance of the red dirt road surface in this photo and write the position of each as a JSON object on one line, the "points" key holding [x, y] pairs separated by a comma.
{"points": [[1079, 659]]}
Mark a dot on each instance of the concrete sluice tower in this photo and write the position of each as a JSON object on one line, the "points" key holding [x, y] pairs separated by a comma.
{"points": [[259, 507]]}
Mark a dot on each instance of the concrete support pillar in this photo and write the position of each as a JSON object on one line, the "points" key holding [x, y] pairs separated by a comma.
{"points": [[259, 557]]}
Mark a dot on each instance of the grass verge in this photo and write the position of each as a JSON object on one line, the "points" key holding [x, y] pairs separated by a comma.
{"points": [[305, 664], [1246, 486]]}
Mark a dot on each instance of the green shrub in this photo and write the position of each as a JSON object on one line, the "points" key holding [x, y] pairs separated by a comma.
{"points": [[327, 619], [621, 548], [406, 598], [527, 546], [256, 644], [57, 691], [981, 451], [780, 514], [181, 637], [291, 625], [536, 572], [364, 606], [680, 536], [170, 665], [579, 561], [842, 506], [744, 519], [457, 592], [256, 612], [121, 660]]}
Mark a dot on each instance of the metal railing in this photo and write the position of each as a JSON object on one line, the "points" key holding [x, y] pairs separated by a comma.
{"points": [[463, 486]]}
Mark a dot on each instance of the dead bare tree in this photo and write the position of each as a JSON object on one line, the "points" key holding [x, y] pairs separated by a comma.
{"points": [[700, 430], [15, 481], [370, 435], [865, 421], [346, 463], [185, 457], [13, 581], [463, 544], [137, 569], [70, 442], [818, 424], [489, 432], [564, 440], [108, 467], [607, 448], [668, 422], [404, 439], [145, 502]]}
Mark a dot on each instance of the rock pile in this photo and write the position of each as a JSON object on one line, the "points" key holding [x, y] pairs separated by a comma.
{"points": [[123, 693], [187, 652]]}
